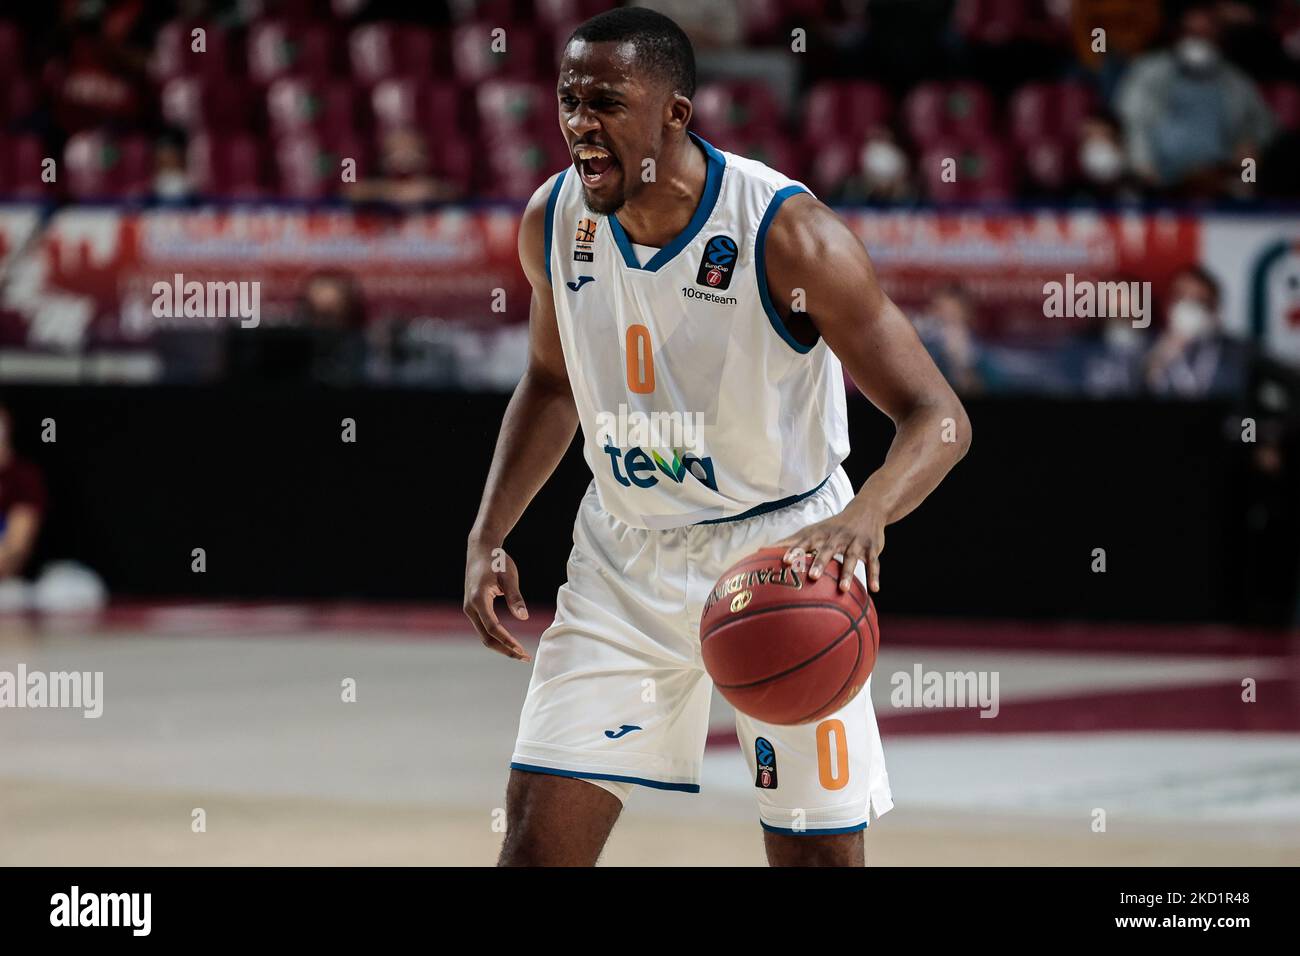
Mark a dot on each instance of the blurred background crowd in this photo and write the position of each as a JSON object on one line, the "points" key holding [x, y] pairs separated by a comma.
{"points": [[365, 160]]}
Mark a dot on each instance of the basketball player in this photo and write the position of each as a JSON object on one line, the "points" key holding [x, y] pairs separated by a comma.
{"points": [[669, 277]]}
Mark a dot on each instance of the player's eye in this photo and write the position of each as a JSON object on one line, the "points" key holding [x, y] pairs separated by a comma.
{"points": [[569, 102]]}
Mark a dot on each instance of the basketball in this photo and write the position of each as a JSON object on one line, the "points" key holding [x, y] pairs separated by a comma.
{"points": [[784, 649]]}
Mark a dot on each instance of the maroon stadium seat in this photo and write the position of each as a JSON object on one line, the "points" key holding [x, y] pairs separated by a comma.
{"points": [[936, 112], [834, 160], [20, 167], [474, 60], [985, 171], [835, 108], [738, 105], [227, 166], [1284, 100], [11, 50], [173, 53]]}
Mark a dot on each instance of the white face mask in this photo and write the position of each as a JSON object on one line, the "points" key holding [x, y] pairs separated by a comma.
{"points": [[171, 184], [1190, 319], [1101, 160], [1122, 337], [1196, 53], [882, 161]]}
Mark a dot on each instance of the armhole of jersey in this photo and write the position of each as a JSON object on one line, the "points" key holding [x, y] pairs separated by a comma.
{"points": [[760, 268], [550, 218]]}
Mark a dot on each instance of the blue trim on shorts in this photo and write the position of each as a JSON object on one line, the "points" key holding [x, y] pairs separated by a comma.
{"points": [[809, 831], [769, 506], [582, 774], [550, 218]]}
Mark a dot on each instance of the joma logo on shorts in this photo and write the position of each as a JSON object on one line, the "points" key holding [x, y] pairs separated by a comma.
{"points": [[639, 467]]}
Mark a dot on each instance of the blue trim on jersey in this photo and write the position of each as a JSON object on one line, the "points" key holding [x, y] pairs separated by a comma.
{"points": [[712, 186], [768, 506], [810, 831], [760, 268], [583, 775], [550, 218]]}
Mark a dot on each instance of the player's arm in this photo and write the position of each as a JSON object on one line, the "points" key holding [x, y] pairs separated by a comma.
{"points": [[537, 429], [21, 527], [810, 248]]}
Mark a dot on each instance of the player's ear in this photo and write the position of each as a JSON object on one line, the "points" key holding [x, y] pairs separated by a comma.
{"points": [[678, 112]]}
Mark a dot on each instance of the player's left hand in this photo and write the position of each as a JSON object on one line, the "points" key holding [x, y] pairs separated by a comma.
{"points": [[857, 533]]}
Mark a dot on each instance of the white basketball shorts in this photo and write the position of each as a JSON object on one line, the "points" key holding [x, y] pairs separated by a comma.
{"points": [[619, 695]]}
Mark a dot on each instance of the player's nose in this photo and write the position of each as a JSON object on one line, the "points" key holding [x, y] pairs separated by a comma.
{"points": [[581, 121]]}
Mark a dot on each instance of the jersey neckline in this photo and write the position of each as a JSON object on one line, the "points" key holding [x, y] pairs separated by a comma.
{"points": [[712, 186]]}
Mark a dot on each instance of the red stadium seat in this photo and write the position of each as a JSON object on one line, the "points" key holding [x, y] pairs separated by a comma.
{"points": [[227, 166], [556, 13], [378, 51], [174, 53], [11, 50], [740, 105], [941, 111], [100, 166], [833, 161], [279, 47], [505, 105], [21, 157], [296, 103], [984, 172], [18, 100], [1284, 100], [475, 60], [836, 108], [192, 103], [406, 102]]}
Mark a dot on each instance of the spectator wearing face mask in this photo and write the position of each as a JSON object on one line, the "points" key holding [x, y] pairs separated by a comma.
{"points": [[884, 173], [1104, 174], [1190, 117], [1193, 357]]}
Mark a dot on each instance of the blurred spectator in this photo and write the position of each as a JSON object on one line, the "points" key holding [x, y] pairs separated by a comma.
{"points": [[1104, 173], [1190, 116], [22, 503], [171, 181], [711, 24], [884, 172], [1193, 358], [1107, 361], [325, 344], [945, 330], [405, 177]]}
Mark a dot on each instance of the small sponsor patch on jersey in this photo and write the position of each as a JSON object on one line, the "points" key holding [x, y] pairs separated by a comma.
{"points": [[765, 757], [582, 240], [718, 263]]}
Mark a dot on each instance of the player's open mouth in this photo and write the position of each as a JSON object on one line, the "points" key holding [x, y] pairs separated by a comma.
{"points": [[595, 164]]}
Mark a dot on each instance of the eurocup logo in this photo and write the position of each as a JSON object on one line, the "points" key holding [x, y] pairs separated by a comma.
{"points": [[718, 263]]}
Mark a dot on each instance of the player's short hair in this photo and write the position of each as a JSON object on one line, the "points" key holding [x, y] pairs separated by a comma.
{"points": [[660, 44]]}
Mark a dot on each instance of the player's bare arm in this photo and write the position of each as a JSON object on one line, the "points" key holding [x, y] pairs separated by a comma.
{"points": [[538, 426], [810, 249]]}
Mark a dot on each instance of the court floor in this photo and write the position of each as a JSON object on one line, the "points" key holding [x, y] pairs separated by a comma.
{"points": [[238, 712]]}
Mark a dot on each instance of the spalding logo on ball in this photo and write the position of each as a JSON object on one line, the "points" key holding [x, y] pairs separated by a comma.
{"points": [[784, 649]]}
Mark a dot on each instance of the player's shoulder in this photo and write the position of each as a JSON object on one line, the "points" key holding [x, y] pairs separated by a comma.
{"points": [[533, 226], [758, 176]]}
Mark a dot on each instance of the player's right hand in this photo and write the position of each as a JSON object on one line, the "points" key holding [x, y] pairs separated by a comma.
{"points": [[490, 573]]}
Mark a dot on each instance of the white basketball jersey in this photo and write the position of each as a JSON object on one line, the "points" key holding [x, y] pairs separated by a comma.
{"points": [[696, 404]]}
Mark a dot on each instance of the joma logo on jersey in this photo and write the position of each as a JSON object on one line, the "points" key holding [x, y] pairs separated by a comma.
{"points": [[718, 262], [642, 468]]}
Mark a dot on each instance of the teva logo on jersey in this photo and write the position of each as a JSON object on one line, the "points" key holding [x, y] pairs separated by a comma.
{"points": [[718, 263], [626, 435]]}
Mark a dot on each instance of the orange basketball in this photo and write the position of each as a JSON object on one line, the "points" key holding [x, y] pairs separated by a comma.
{"points": [[784, 649]]}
